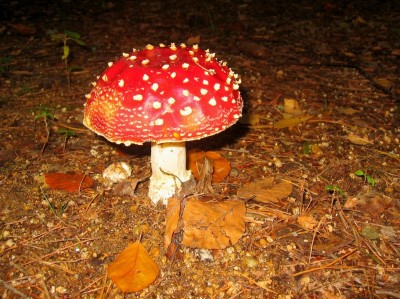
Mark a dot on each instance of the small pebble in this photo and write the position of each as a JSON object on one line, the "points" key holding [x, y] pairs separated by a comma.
{"points": [[249, 262], [10, 243]]}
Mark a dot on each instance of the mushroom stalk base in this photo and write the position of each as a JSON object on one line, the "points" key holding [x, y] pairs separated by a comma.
{"points": [[168, 164]]}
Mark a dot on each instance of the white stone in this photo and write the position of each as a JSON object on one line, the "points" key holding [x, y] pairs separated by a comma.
{"points": [[116, 173]]}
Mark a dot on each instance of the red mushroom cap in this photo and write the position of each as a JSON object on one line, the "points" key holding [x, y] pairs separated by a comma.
{"points": [[163, 94]]}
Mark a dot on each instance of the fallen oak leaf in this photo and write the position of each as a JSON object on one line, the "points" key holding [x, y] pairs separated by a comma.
{"points": [[213, 224], [266, 190], [134, 269]]}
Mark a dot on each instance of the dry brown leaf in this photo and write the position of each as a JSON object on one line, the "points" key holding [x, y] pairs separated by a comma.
{"points": [[193, 40], [70, 182], [395, 52], [23, 29], [372, 202], [331, 243], [360, 20], [350, 54], [134, 269], [291, 122], [266, 190], [353, 138], [384, 82], [171, 219], [307, 222], [291, 106], [328, 294], [126, 187], [347, 110], [352, 202], [212, 224], [316, 150], [221, 166], [253, 49]]}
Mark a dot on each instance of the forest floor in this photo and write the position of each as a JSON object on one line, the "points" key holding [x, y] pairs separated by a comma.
{"points": [[320, 83]]}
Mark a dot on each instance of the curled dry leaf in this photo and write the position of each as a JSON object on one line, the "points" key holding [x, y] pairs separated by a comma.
{"points": [[347, 110], [70, 182], [192, 40], [204, 183], [316, 150], [292, 107], [221, 166], [171, 219], [126, 187], [372, 203], [134, 269], [395, 52], [307, 222], [266, 190], [384, 82], [353, 138], [212, 224]]}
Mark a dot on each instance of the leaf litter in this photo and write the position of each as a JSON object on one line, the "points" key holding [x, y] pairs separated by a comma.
{"points": [[212, 224], [320, 106]]}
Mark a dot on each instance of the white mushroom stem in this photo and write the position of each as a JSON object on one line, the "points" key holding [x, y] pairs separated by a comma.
{"points": [[168, 164]]}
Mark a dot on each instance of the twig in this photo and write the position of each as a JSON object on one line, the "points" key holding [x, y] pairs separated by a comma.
{"points": [[46, 290], [87, 290], [100, 296], [57, 251], [313, 239], [47, 137], [251, 280], [327, 265], [55, 266], [389, 293], [70, 127], [90, 202], [14, 290]]}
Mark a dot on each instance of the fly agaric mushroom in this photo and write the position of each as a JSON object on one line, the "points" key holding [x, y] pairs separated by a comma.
{"points": [[166, 95]]}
